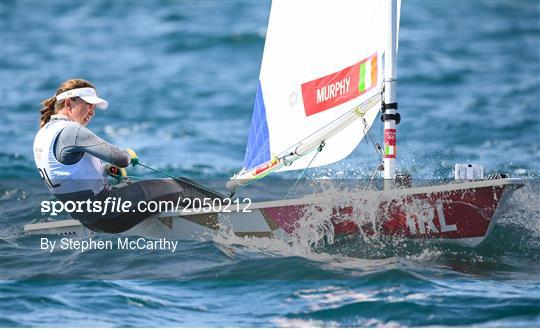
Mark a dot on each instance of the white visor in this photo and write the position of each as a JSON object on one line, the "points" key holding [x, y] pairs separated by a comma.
{"points": [[86, 94]]}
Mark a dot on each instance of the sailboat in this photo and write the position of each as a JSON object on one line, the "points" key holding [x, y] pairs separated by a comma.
{"points": [[329, 71]]}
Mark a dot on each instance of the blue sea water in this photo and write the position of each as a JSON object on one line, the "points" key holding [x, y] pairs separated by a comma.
{"points": [[181, 79]]}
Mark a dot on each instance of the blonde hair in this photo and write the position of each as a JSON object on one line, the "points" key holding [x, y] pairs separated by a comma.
{"points": [[50, 106]]}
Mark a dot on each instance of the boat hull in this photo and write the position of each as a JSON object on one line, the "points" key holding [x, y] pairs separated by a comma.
{"points": [[463, 213]]}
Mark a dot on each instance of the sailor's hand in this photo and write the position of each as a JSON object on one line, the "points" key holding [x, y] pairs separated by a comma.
{"points": [[116, 172], [134, 158]]}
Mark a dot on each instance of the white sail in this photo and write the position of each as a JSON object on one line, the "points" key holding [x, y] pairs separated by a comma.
{"points": [[322, 59]]}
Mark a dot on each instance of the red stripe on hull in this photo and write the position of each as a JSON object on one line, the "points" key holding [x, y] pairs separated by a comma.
{"points": [[450, 214], [456, 214]]}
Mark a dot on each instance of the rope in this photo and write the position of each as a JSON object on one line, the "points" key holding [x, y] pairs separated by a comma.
{"points": [[304, 171], [181, 180], [158, 171], [372, 178], [233, 192], [370, 139]]}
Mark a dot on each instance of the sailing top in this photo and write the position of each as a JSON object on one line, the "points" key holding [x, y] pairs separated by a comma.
{"points": [[67, 154]]}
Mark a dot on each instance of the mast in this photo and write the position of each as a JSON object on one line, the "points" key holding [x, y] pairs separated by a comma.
{"points": [[390, 116]]}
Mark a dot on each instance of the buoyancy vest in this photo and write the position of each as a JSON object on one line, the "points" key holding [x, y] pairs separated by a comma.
{"points": [[87, 174]]}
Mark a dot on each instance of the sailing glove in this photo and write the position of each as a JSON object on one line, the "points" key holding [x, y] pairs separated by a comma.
{"points": [[134, 158], [116, 172]]}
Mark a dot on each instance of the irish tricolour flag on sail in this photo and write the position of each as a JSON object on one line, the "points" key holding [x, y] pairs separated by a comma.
{"points": [[368, 74], [337, 88]]}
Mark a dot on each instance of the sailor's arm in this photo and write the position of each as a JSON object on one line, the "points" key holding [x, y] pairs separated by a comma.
{"points": [[75, 140]]}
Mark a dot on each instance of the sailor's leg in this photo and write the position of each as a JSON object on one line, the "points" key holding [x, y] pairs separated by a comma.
{"points": [[142, 191]]}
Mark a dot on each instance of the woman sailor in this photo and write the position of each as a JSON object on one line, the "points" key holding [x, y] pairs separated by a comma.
{"points": [[69, 159]]}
